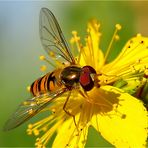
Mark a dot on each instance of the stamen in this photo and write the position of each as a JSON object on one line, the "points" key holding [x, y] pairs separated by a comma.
{"points": [[51, 54], [45, 138], [115, 36], [72, 41], [43, 68], [90, 46], [97, 122], [118, 27], [40, 125], [73, 134], [76, 39], [28, 88], [36, 132], [84, 132], [43, 125], [44, 59]]}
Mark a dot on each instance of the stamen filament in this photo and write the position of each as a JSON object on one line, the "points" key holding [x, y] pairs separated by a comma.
{"points": [[76, 39], [43, 58], [118, 27]]}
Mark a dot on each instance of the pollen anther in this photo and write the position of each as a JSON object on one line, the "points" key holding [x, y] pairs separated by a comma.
{"points": [[42, 57], [43, 68], [118, 26], [28, 88]]}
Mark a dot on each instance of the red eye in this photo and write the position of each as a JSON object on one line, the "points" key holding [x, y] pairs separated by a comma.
{"points": [[88, 69], [85, 78]]}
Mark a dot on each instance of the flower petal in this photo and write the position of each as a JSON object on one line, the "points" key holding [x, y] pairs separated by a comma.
{"points": [[68, 136], [127, 125], [132, 59]]}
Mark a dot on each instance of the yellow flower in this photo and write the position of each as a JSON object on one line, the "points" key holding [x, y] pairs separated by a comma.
{"points": [[119, 117]]}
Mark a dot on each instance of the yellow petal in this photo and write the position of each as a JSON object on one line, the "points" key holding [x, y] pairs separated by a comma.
{"points": [[68, 136], [134, 56], [127, 125]]}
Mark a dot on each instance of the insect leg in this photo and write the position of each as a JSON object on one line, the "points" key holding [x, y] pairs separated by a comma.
{"points": [[67, 112]]}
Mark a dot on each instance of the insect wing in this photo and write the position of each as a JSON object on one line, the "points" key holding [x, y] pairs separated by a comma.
{"points": [[52, 37], [31, 107]]}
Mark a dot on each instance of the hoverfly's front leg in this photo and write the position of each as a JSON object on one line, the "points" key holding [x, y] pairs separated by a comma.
{"points": [[67, 112]]}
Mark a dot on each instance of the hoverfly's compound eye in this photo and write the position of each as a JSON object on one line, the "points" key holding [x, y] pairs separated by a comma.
{"points": [[86, 78], [70, 75], [88, 69]]}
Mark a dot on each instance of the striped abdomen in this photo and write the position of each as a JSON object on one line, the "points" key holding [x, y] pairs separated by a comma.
{"points": [[48, 82]]}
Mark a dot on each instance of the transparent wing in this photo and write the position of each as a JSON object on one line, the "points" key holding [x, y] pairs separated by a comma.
{"points": [[52, 37], [31, 107]]}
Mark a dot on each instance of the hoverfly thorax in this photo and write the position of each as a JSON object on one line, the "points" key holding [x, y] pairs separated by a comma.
{"points": [[70, 76]]}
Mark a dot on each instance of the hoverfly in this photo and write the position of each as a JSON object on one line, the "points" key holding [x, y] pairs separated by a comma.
{"points": [[54, 84]]}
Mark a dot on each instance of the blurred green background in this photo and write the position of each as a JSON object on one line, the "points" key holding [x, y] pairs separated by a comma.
{"points": [[20, 48]]}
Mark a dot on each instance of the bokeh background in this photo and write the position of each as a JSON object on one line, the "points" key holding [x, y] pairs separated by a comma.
{"points": [[20, 48]]}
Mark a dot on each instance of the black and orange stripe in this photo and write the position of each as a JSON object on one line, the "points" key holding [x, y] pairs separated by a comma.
{"points": [[44, 84]]}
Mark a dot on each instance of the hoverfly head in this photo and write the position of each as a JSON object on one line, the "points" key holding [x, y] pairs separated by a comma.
{"points": [[87, 78]]}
